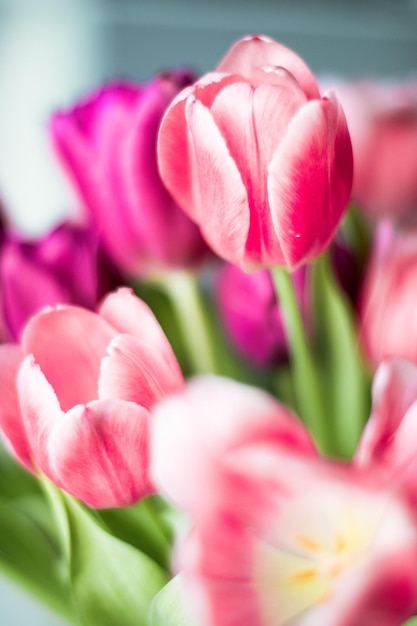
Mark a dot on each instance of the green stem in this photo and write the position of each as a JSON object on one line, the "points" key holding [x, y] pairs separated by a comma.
{"points": [[183, 290], [306, 383]]}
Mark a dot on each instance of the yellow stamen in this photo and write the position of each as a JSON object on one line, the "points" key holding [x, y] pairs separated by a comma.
{"points": [[307, 542], [305, 574]]}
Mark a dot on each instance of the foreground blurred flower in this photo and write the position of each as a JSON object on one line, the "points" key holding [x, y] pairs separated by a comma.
{"points": [[382, 120], [286, 537], [64, 267], [388, 309], [266, 162], [107, 145], [251, 313], [85, 391]]}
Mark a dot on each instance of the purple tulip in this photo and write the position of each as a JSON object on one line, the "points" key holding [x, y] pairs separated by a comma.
{"points": [[107, 145]]}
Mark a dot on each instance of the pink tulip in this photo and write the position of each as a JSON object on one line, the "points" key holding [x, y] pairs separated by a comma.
{"points": [[66, 266], [266, 162], [85, 388], [107, 145], [390, 436], [251, 314], [285, 537], [388, 310], [382, 120]]}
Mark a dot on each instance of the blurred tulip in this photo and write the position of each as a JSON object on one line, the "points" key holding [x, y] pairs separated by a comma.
{"points": [[85, 385], [107, 145], [382, 121], [64, 267], [251, 314], [281, 536], [388, 312], [266, 162]]}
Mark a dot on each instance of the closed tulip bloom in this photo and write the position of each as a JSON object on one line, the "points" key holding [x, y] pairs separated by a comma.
{"points": [[251, 314], [388, 313], [85, 385], [107, 146], [285, 537], [382, 120], [66, 266], [266, 161]]}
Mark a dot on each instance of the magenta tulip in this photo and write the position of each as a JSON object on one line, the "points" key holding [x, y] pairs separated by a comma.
{"points": [[251, 315], [66, 266], [266, 162], [76, 400], [280, 535], [388, 312], [107, 145]]}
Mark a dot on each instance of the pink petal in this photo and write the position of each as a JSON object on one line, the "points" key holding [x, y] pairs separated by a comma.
{"points": [[136, 372], [11, 423], [129, 315], [394, 391], [223, 202], [310, 179], [68, 344], [195, 428], [40, 411], [257, 50], [99, 453]]}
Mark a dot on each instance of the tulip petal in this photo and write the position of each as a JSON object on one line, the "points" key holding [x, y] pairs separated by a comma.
{"points": [[136, 372], [129, 315], [309, 180], [211, 416], [99, 453], [68, 344], [11, 423], [40, 411], [258, 50], [223, 203]]}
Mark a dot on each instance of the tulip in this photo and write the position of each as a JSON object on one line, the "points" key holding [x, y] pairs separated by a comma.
{"points": [[382, 120], [107, 146], [66, 266], [266, 162], [85, 384], [285, 537], [388, 313], [251, 314]]}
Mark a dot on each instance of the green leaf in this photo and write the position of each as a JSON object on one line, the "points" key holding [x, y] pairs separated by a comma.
{"points": [[169, 607], [112, 582], [15, 479], [411, 622], [31, 557], [345, 382]]}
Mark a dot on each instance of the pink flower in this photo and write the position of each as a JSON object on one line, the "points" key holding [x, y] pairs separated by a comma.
{"points": [[66, 266], [251, 314], [281, 536], [266, 162], [388, 312], [107, 145], [85, 387], [382, 120]]}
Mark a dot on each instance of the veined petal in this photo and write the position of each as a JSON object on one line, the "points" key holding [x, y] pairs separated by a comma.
{"points": [[309, 180], [68, 344], [258, 50], [223, 203], [11, 423], [136, 372], [40, 411], [99, 453]]}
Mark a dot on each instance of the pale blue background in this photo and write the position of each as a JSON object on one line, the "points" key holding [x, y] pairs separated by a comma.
{"points": [[51, 52]]}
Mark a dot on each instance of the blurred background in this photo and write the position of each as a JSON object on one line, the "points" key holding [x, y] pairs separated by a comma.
{"points": [[54, 51]]}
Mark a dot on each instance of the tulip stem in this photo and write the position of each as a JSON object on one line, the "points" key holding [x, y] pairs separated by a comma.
{"points": [[304, 374], [187, 300]]}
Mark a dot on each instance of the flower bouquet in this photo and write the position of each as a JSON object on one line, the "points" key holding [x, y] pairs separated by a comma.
{"points": [[209, 374]]}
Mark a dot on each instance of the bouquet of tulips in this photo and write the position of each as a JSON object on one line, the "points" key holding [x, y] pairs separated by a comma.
{"points": [[208, 375]]}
